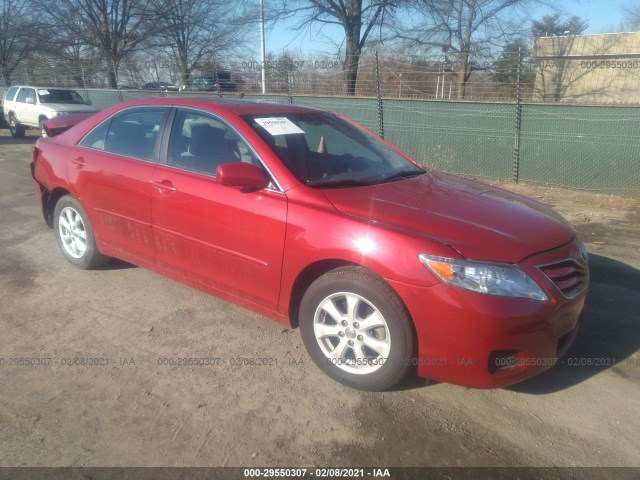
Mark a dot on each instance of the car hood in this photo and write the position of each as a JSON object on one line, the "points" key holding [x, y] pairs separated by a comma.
{"points": [[480, 221], [69, 107]]}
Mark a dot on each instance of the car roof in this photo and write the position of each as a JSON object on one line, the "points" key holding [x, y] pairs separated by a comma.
{"points": [[240, 106]]}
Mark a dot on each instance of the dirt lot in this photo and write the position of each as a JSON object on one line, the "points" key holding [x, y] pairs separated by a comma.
{"points": [[135, 412]]}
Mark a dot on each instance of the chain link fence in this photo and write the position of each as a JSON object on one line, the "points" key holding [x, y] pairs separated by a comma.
{"points": [[565, 114]]}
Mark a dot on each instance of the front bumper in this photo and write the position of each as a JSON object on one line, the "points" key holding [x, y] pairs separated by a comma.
{"points": [[487, 341]]}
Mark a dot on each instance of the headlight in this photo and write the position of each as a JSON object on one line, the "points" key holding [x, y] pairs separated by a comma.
{"points": [[59, 114], [488, 278]]}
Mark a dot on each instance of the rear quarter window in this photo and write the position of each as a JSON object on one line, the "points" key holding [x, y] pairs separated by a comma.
{"points": [[95, 138]]}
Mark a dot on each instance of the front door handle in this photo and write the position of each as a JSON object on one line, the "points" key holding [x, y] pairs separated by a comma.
{"points": [[79, 162], [164, 185]]}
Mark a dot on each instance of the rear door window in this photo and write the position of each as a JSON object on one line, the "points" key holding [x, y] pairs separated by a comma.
{"points": [[134, 132]]}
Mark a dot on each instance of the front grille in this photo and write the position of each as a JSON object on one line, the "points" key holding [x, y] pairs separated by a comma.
{"points": [[568, 275]]}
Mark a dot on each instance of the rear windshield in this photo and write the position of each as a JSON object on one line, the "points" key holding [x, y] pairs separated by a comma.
{"points": [[60, 96], [323, 150]]}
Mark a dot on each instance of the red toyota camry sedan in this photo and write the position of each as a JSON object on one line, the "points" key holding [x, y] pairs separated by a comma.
{"points": [[386, 266]]}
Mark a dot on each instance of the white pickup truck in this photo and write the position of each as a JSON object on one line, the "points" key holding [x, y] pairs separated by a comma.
{"points": [[28, 107]]}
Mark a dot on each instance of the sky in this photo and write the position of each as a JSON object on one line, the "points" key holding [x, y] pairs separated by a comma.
{"points": [[602, 15]]}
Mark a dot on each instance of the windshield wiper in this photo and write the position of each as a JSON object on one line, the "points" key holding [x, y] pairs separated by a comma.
{"points": [[352, 182], [402, 175], [345, 182]]}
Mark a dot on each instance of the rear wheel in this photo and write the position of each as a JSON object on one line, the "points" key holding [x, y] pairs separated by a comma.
{"points": [[75, 236], [357, 330], [17, 130]]}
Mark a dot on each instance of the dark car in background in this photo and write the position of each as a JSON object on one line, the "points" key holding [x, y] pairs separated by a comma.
{"points": [[220, 82], [161, 86], [124, 86]]}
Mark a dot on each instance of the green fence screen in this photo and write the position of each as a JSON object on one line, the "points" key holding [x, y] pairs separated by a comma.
{"points": [[594, 148]]}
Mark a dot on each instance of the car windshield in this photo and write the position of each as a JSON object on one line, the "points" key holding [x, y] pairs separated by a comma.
{"points": [[323, 150], [59, 96]]}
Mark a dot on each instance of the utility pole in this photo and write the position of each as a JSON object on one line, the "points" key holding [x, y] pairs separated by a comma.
{"points": [[262, 49]]}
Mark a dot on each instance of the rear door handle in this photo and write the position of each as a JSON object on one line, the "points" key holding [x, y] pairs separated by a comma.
{"points": [[165, 185], [79, 162]]}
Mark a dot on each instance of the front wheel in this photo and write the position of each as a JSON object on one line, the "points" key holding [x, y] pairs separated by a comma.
{"points": [[357, 330], [17, 130], [75, 236]]}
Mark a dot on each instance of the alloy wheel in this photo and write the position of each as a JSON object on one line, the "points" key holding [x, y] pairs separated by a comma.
{"points": [[72, 232], [352, 333]]}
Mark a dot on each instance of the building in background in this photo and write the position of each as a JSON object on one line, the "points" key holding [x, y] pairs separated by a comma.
{"points": [[602, 68]]}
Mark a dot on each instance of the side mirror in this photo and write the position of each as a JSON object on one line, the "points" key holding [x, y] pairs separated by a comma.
{"points": [[239, 174], [30, 100]]}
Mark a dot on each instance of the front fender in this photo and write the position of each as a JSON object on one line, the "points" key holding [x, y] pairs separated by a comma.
{"points": [[317, 232]]}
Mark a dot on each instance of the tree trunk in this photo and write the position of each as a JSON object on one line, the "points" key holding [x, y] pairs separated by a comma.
{"points": [[353, 51], [113, 80], [6, 75], [185, 74], [461, 81], [184, 69], [112, 64], [465, 44], [78, 81]]}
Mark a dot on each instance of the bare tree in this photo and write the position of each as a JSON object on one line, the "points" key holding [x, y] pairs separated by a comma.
{"points": [[471, 31], [358, 18], [195, 30], [69, 55], [115, 28], [554, 26], [16, 36], [505, 71], [631, 16]]}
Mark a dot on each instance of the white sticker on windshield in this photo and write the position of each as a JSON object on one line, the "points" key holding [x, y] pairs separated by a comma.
{"points": [[43, 92], [278, 125]]}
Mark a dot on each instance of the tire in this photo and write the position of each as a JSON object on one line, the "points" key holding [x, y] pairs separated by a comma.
{"points": [[370, 357], [17, 130], [74, 235], [43, 132]]}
